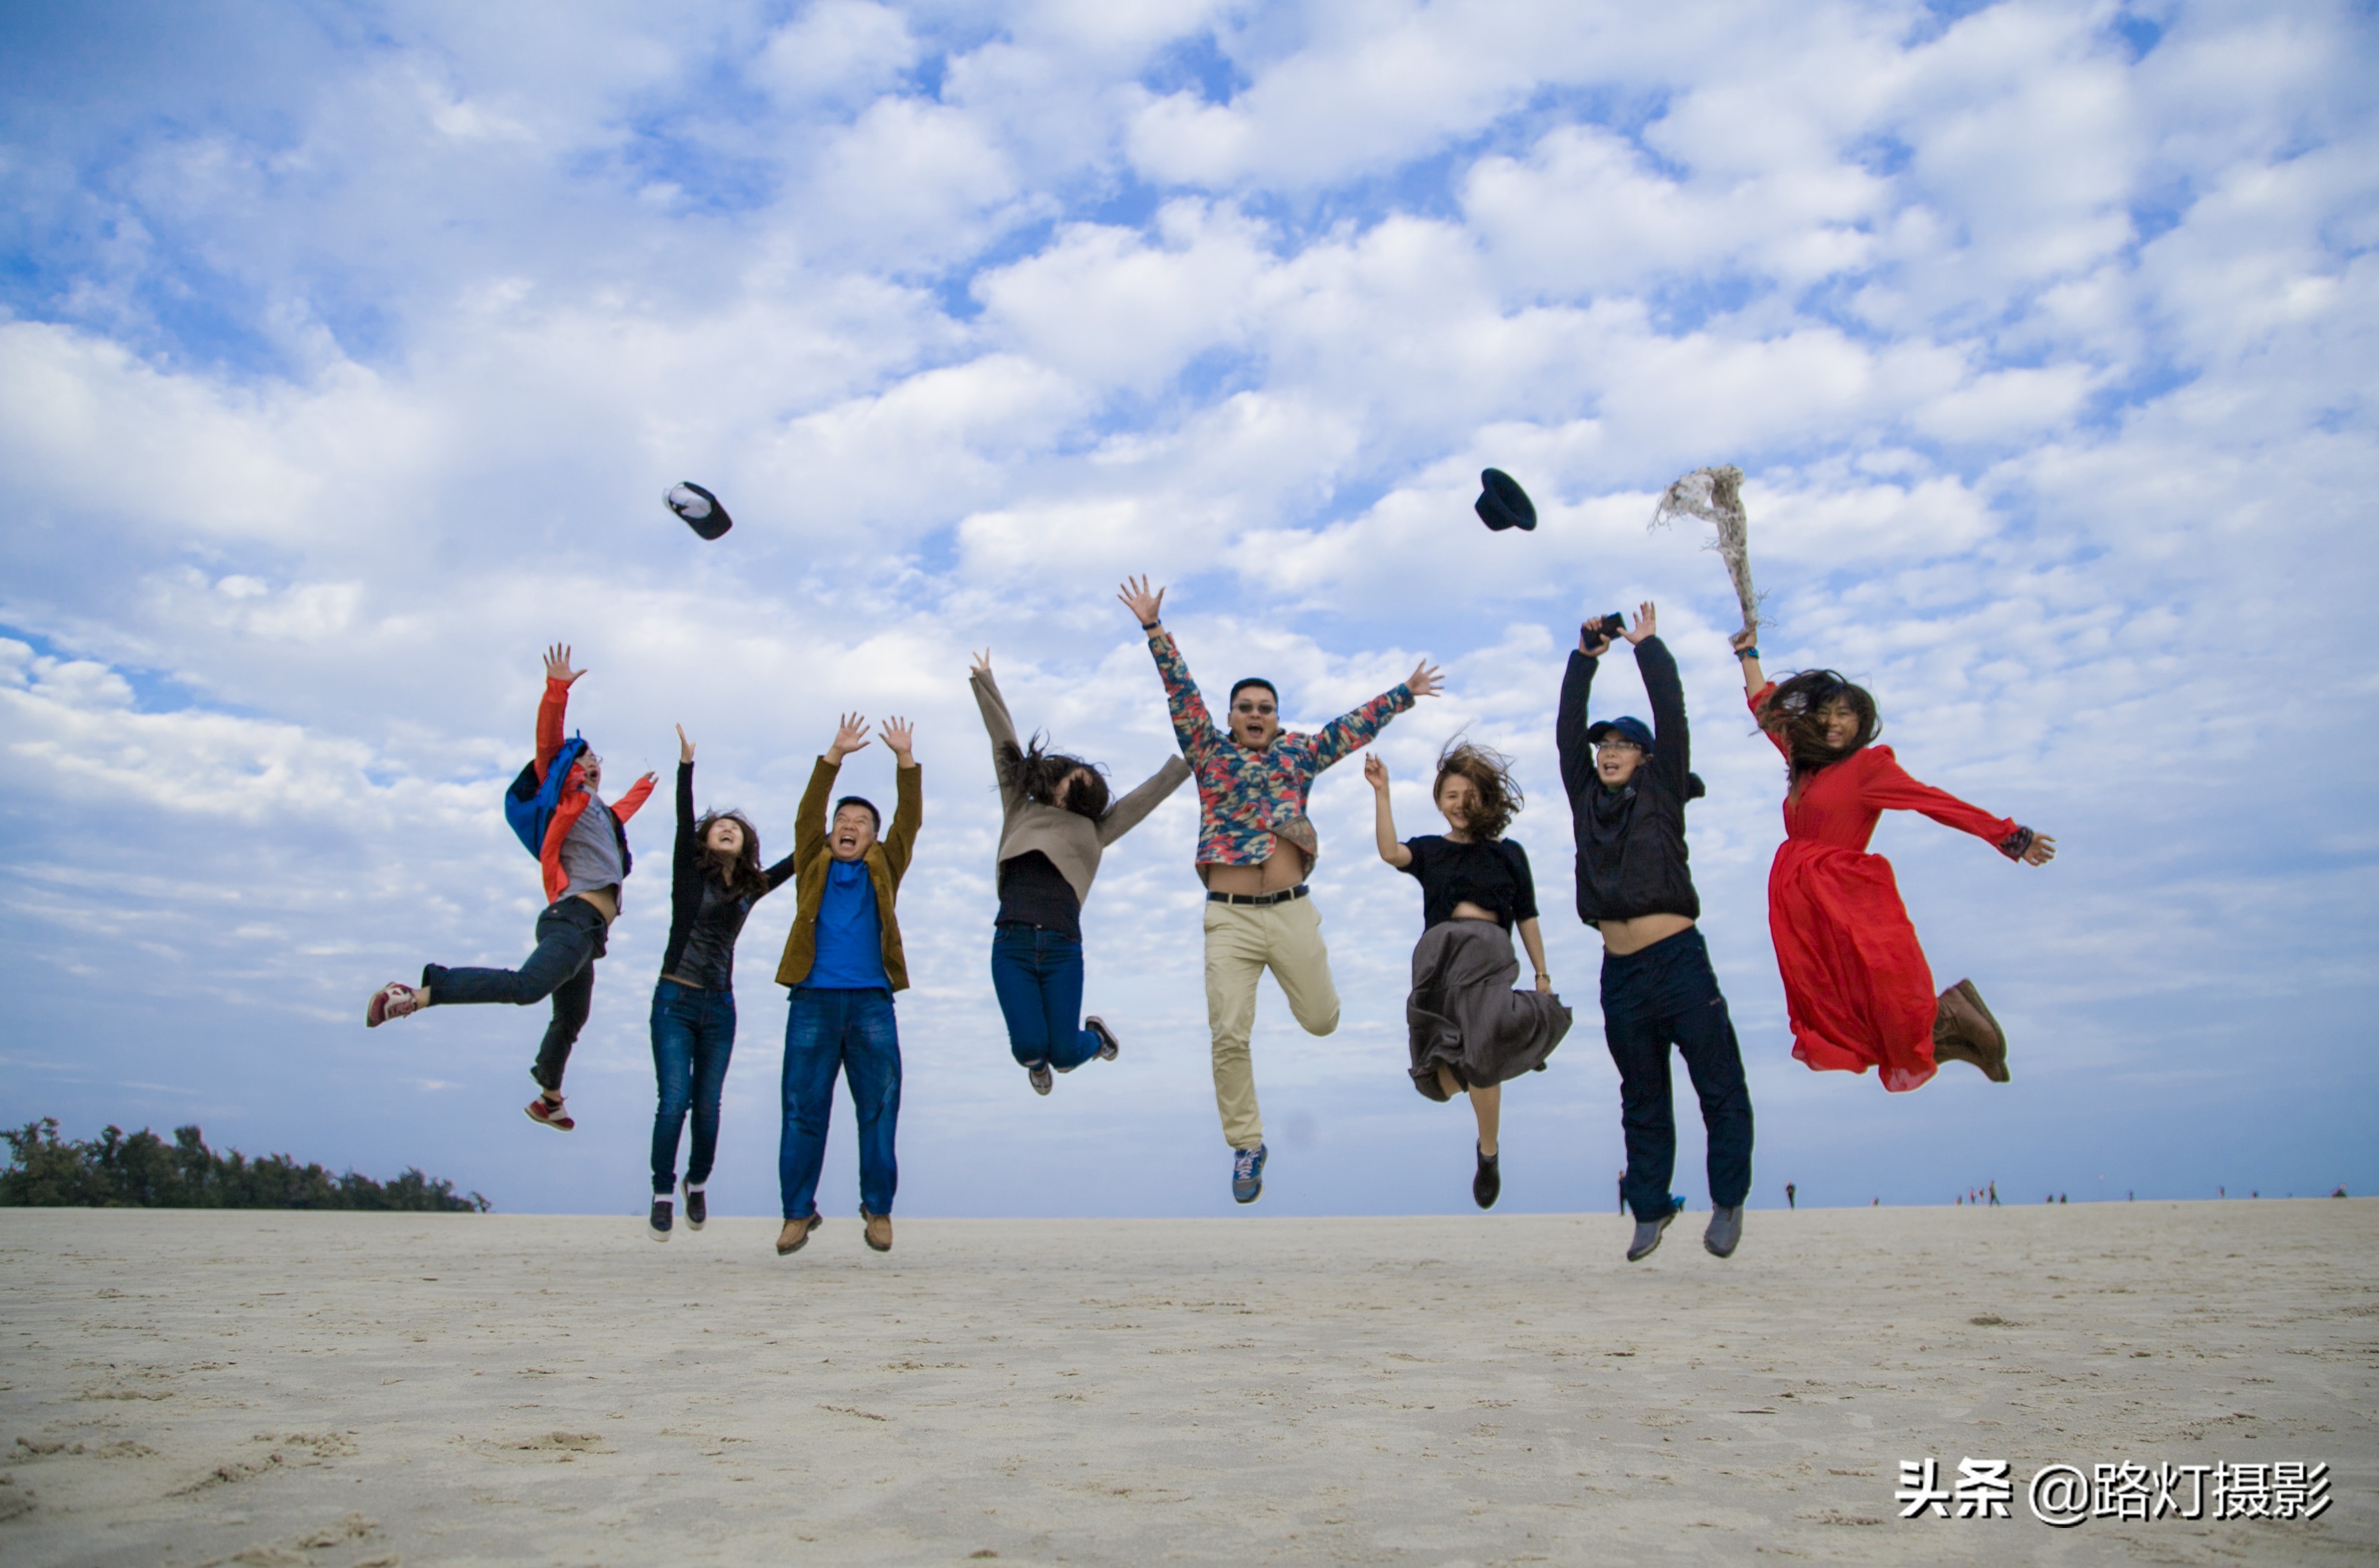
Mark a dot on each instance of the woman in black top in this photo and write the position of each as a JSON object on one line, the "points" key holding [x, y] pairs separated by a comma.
{"points": [[1469, 1030], [715, 878]]}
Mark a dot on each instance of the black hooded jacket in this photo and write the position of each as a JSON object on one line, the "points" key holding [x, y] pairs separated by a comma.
{"points": [[1631, 841]]}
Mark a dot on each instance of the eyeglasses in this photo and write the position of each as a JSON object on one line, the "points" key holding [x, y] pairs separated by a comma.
{"points": [[1258, 710], [1617, 746]]}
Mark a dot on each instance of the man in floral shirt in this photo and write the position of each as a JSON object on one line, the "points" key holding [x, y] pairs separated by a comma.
{"points": [[1255, 847]]}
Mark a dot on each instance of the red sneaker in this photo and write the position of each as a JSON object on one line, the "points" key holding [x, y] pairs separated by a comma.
{"points": [[549, 1112], [391, 1001]]}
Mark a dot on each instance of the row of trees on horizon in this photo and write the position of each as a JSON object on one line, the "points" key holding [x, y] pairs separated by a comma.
{"points": [[143, 1171]]}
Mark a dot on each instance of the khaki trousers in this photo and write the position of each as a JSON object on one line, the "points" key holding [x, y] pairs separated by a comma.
{"points": [[1242, 941]]}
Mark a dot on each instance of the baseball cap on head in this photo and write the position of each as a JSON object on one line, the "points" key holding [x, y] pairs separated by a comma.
{"points": [[1502, 502], [698, 509], [1629, 729]]}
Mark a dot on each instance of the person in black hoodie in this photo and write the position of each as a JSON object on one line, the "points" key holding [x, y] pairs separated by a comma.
{"points": [[1628, 784], [715, 878]]}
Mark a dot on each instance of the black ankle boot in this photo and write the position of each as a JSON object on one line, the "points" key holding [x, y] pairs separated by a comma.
{"points": [[1488, 1185]]}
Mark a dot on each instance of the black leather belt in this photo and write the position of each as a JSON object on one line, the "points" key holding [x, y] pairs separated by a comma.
{"points": [[1299, 891]]}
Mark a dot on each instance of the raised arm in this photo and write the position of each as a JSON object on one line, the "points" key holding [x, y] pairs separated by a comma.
{"points": [[1384, 814], [1671, 740], [909, 792], [1126, 814], [1193, 727], [810, 825], [633, 801], [1569, 718], [1351, 732], [554, 706], [688, 848], [1001, 727]]}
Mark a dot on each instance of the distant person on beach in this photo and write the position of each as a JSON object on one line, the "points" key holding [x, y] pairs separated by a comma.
{"points": [[715, 878], [1468, 1030], [582, 849], [1255, 847], [1628, 783], [842, 963], [1857, 990], [1056, 822], [1789, 1197]]}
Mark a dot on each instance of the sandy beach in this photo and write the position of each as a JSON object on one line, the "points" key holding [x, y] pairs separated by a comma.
{"points": [[348, 1390]]}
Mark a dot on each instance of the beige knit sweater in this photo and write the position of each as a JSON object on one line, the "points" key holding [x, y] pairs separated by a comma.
{"points": [[1073, 843]]}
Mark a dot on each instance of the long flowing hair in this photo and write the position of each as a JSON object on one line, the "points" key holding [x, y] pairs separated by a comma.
{"points": [[743, 875], [1490, 772], [1039, 774], [1791, 711]]}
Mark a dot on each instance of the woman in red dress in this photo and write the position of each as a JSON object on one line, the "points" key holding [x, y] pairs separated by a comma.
{"points": [[1856, 987]]}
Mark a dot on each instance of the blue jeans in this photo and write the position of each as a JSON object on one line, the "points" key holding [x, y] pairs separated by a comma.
{"points": [[854, 1031], [570, 938], [1662, 995], [694, 1034], [1037, 975]]}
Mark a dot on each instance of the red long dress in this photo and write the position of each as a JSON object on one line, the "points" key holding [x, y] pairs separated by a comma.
{"points": [[1857, 989]]}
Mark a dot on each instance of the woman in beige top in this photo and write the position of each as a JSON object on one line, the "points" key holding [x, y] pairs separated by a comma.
{"points": [[1058, 821]]}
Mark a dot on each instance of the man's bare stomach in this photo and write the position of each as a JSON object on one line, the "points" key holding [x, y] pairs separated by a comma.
{"points": [[1626, 937], [1284, 871]]}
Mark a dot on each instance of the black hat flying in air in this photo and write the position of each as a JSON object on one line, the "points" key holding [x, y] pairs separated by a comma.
{"points": [[1502, 502], [699, 509]]}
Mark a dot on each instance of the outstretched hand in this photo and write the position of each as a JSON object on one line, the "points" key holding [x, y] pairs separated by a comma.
{"points": [[684, 746], [983, 662], [2042, 851], [900, 735], [556, 664], [1426, 681], [1375, 772], [852, 737], [1592, 640], [1146, 608], [1647, 624], [1746, 639]]}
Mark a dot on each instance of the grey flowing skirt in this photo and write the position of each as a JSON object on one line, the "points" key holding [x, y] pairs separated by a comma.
{"points": [[1464, 1014]]}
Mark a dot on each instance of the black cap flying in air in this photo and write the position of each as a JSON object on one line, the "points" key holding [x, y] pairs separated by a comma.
{"points": [[1502, 502], [700, 509]]}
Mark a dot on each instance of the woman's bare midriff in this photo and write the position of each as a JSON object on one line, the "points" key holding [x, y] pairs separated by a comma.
{"points": [[1465, 910], [1626, 937], [1275, 875]]}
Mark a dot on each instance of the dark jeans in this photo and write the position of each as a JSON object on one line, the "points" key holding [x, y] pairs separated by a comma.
{"points": [[1037, 975], [1661, 996], [694, 1034], [854, 1031], [570, 938]]}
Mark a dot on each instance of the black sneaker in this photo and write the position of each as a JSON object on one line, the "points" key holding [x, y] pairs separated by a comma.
{"points": [[1488, 1185], [697, 1210], [1108, 1043], [657, 1224]]}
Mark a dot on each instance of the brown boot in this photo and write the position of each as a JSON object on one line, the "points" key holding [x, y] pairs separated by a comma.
{"points": [[796, 1234], [1962, 1019], [879, 1231]]}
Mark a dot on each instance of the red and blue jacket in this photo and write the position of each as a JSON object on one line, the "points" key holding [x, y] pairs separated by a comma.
{"points": [[551, 712]]}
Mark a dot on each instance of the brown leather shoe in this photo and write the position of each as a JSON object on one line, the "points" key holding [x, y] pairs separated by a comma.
{"points": [[1966, 1026], [879, 1231], [796, 1234]]}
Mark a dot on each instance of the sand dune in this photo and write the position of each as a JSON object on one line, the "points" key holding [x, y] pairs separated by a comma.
{"points": [[350, 1390]]}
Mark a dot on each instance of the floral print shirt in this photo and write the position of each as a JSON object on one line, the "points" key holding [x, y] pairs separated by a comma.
{"points": [[1248, 801]]}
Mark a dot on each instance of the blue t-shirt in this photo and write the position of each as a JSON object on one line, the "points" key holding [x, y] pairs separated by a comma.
{"points": [[850, 933]]}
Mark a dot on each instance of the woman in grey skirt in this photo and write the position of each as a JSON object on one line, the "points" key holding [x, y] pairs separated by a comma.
{"points": [[1470, 1029]]}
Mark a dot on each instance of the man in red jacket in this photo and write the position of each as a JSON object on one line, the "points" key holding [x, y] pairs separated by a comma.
{"points": [[584, 858]]}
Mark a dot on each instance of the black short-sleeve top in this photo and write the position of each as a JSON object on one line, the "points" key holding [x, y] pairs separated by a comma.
{"points": [[1491, 874]]}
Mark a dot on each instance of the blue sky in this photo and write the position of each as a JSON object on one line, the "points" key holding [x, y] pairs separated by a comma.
{"points": [[345, 352]]}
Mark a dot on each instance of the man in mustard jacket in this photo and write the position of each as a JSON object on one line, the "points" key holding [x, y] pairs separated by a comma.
{"points": [[843, 961]]}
